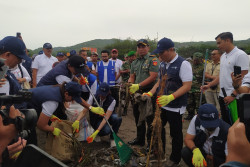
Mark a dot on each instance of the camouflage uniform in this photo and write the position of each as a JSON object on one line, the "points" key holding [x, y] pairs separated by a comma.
{"points": [[194, 93]]}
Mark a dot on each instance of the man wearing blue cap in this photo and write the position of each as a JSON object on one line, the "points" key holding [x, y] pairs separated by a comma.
{"points": [[42, 64], [206, 139], [107, 102], [178, 74], [60, 56], [12, 50]]}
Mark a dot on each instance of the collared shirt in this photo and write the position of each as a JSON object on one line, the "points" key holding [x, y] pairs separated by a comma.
{"points": [[214, 70], [208, 144], [142, 67], [186, 75], [236, 57], [43, 64]]}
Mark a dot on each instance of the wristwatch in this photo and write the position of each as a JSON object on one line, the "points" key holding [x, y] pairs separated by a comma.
{"points": [[233, 95]]}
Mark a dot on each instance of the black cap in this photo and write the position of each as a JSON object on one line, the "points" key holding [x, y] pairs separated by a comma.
{"points": [[142, 42], [78, 63]]}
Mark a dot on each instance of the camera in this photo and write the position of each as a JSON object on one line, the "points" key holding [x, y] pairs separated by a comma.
{"points": [[28, 117], [244, 112]]}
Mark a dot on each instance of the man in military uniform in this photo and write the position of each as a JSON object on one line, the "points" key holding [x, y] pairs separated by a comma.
{"points": [[143, 75], [194, 93]]}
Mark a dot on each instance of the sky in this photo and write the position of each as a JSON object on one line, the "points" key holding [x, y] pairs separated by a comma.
{"points": [[69, 22]]}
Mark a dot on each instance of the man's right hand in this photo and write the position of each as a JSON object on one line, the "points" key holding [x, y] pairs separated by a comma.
{"points": [[97, 110], [91, 138], [147, 94], [198, 160], [75, 126], [204, 88], [56, 132]]}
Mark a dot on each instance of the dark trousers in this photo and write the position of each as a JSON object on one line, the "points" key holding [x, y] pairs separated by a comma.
{"points": [[224, 111], [141, 130], [115, 95], [175, 122]]}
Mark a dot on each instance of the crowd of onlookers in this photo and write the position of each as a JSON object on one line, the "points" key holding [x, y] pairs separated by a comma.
{"points": [[83, 89]]}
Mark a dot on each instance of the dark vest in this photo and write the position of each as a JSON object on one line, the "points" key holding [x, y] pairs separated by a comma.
{"points": [[50, 77], [218, 142], [95, 117], [173, 82], [110, 72], [43, 94]]}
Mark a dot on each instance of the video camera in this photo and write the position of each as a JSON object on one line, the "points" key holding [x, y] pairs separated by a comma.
{"points": [[28, 117]]}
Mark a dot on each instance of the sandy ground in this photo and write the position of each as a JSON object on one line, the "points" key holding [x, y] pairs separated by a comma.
{"points": [[127, 132]]}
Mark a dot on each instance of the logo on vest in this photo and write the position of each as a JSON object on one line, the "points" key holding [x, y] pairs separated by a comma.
{"points": [[174, 67], [219, 141]]}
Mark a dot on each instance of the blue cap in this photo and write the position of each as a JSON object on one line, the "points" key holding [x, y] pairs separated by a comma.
{"points": [[103, 89], [208, 115], [74, 89], [15, 46], [47, 46], [142, 42], [72, 52], [40, 52], [164, 44], [59, 54]]}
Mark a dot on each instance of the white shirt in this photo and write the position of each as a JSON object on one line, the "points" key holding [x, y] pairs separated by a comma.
{"points": [[186, 75], [43, 64], [105, 79], [208, 144], [227, 62], [118, 63], [17, 72], [49, 107], [110, 108]]}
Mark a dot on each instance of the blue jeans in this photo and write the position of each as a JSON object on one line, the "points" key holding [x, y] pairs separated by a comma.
{"points": [[114, 121]]}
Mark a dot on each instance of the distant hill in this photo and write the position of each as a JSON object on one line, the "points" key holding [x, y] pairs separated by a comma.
{"points": [[96, 43], [100, 44]]}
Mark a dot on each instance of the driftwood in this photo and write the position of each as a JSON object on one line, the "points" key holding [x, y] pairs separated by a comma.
{"points": [[156, 141]]}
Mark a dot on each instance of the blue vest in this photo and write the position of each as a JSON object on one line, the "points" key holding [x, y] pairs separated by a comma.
{"points": [[50, 77], [43, 94], [91, 79], [89, 64], [94, 117], [15, 86], [218, 142], [173, 82], [110, 72]]}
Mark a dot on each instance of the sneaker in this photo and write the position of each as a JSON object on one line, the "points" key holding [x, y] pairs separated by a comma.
{"points": [[97, 138], [112, 143], [172, 164]]}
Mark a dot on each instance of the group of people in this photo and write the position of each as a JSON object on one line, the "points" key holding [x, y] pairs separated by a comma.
{"points": [[163, 76]]}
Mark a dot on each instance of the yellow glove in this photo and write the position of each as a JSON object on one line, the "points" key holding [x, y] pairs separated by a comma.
{"points": [[75, 126], [91, 138], [15, 156], [97, 110], [198, 160], [83, 81], [133, 88], [147, 94], [54, 118], [164, 99], [56, 132]]}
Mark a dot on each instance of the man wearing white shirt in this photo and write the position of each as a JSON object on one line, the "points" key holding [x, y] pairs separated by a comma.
{"points": [[42, 64], [173, 102], [232, 57], [118, 62], [206, 138]]}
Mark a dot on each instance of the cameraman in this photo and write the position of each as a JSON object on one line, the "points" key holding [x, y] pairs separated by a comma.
{"points": [[12, 50], [7, 134], [211, 73]]}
